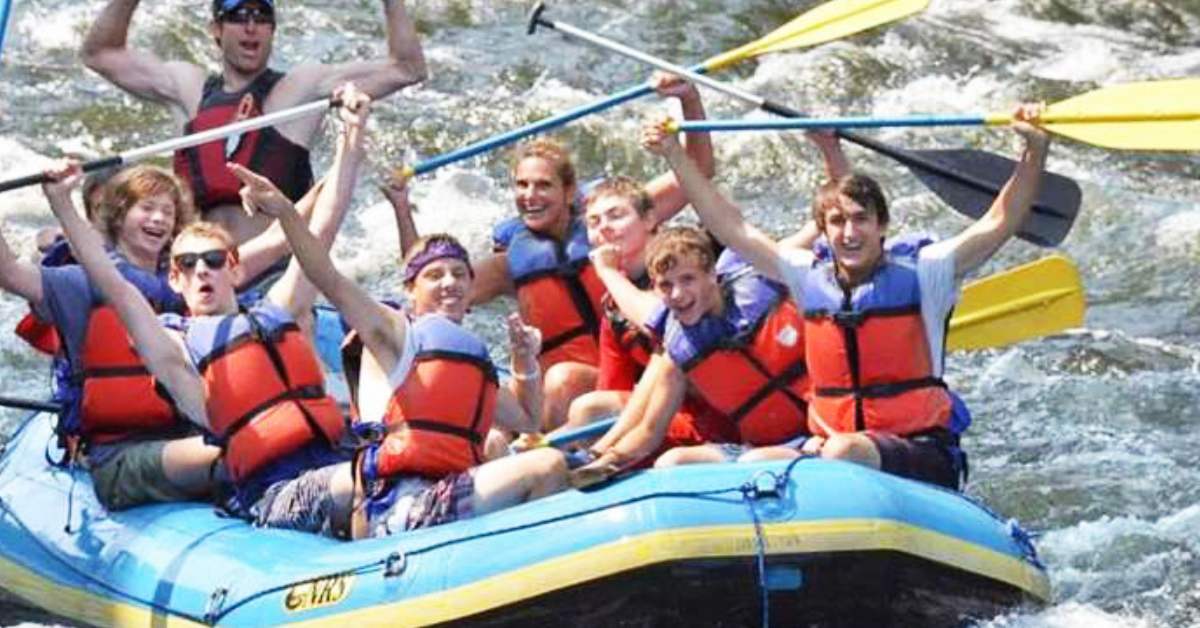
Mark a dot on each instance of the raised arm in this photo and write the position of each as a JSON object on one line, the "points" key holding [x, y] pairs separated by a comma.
{"points": [[404, 65], [977, 243], [382, 330], [519, 407], [264, 250], [294, 291], [492, 279], [396, 192], [664, 190], [163, 356], [719, 216], [141, 73], [635, 304]]}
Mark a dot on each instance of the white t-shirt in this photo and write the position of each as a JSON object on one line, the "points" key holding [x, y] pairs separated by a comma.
{"points": [[935, 276], [375, 388]]}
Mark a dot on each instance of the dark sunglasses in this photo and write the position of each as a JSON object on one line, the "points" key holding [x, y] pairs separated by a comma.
{"points": [[245, 15], [214, 259]]}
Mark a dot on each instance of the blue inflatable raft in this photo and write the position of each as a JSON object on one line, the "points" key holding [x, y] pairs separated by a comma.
{"points": [[814, 542]]}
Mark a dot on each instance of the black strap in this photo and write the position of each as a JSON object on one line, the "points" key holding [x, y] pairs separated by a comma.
{"points": [[876, 391], [778, 383], [269, 342]]}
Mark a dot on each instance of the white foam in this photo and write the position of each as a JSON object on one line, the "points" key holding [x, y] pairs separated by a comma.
{"points": [[1069, 615]]}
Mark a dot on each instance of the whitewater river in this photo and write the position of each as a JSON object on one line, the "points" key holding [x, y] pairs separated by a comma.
{"points": [[1090, 438]]}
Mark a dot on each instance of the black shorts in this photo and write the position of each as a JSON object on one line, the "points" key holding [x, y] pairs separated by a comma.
{"points": [[928, 457]]}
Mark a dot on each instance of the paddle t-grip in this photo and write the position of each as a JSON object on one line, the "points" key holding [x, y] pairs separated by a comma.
{"points": [[535, 18]]}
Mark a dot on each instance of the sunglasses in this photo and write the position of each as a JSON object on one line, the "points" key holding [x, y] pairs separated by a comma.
{"points": [[245, 15], [214, 259]]}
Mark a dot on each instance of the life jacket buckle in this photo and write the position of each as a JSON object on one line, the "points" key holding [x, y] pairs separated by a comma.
{"points": [[849, 320]]}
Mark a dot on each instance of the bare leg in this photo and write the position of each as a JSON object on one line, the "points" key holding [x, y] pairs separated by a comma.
{"points": [[517, 479], [760, 454], [698, 454], [187, 463], [852, 448], [563, 383]]}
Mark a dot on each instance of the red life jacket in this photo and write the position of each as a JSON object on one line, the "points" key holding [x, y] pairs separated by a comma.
{"points": [[633, 341], [439, 417], [39, 334], [558, 292], [869, 356], [119, 399], [749, 362], [265, 388], [264, 151]]}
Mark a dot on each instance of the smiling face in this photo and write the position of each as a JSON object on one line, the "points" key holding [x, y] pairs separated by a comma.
{"points": [[689, 290], [543, 199], [147, 229], [207, 286], [141, 209], [852, 214], [856, 237], [245, 36], [441, 287]]}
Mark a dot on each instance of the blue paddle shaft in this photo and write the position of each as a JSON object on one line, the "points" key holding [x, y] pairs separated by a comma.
{"points": [[534, 128], [588, 431], [5, 9], [861, 122]]}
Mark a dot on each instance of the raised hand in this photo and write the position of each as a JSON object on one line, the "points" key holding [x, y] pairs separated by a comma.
{"points": [[1024, 122], [65, 175], [395, 190], [657, 139], [259, 194], [525, 340], [670, 85], [355, 109]]}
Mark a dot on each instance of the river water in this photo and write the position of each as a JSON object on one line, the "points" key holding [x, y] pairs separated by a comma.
{"points": [[1089, 438]]}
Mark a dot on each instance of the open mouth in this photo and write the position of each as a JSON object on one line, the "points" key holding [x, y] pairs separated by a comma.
{"points": [[250, 47], [535, 211]]}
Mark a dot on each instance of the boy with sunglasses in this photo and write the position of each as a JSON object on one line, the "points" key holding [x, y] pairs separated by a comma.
{"points": [[247, 376], [244, 30]]}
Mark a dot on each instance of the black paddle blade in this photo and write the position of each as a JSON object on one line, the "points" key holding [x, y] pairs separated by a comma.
{"points": [[969, 180]]}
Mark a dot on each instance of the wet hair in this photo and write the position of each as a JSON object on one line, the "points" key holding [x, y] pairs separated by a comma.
{"points": [[208, 230], [622, 187], [430, 248], [674, 244], [92, 183], [859, 188], [550, 151], [134, 184]]}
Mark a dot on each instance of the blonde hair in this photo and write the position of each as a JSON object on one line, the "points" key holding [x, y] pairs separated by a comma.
{"points": [[674, 244], [130, 186]]}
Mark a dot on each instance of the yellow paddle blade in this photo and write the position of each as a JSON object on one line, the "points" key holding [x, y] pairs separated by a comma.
{"points": [[1028, 301], [830, 21], [1152, 115]]}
